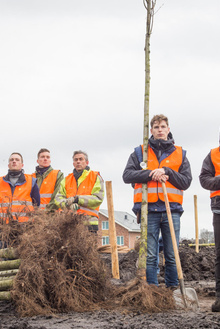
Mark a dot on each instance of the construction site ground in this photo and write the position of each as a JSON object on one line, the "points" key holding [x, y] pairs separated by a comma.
{"points": [[198, 272]]}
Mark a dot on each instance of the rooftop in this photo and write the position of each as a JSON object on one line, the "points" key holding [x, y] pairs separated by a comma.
{"points": [[124, 219]]}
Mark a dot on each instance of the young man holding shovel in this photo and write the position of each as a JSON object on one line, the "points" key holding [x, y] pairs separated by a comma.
{"points": [[210, 180], [166, 162]]}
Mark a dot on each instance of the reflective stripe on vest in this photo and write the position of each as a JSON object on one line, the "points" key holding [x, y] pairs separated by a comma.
{"points": [[215, 158], [20, 203], [47, 187], [14, 214], [173, 161], [16, 203], [85, 188]]}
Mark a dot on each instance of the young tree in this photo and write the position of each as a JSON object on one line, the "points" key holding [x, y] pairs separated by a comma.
{"points": [[149, 5]]}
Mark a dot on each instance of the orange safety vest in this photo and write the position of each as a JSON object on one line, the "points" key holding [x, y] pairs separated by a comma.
{"points": [[155, 192], [20, 203], [47, 187], [215, 157], [85, 188]]}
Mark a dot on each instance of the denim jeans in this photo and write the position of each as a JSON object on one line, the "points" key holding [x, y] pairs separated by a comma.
{"points": [[158, 222], [216, 225]]}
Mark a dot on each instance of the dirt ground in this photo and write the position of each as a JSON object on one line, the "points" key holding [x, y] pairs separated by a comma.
{"points": [[198, 272]]}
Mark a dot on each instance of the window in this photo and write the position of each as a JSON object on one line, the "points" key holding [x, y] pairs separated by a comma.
{"points": [[105, 240], [105, 225], [120, 240]]}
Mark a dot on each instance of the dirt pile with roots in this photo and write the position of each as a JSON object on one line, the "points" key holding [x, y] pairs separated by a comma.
{"points": [[61, 271]]}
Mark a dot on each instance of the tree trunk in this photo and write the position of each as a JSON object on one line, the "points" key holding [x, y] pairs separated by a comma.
{"points": [[10, 264], [4, 278], [144, 208], [6, 284], [8, 273], [9, 253], [5, 295]]}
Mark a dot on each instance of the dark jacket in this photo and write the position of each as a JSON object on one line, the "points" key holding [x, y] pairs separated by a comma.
{"points": [[209, 181], [181, 179], [35, 194]]}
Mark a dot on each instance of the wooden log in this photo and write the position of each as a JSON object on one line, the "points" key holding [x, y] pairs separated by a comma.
{"points": [[8, 273], [112, 231], [196, 224], [6, 284], [10, 264], [107, 249], [3, 278], [200, 244], [5, 295], [9, 253]]}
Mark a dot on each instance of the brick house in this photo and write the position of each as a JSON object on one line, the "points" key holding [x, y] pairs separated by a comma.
{"points": [[127, 229]]}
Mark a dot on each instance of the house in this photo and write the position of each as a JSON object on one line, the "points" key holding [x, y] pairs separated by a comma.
{"points": [[127, 229]]}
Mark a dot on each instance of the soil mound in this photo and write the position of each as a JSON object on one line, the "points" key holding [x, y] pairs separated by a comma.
{"points": [[195, 266], [198, 266]]}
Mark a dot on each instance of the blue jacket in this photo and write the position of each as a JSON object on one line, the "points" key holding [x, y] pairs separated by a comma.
{"points": [[35, 194]]}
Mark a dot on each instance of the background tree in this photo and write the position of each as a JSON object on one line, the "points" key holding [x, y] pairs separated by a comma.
{"points": [[206, 236]]}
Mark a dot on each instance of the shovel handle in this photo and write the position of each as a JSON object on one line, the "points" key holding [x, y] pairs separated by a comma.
{"points": [[172, 232]]}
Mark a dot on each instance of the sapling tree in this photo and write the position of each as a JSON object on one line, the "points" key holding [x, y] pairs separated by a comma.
{"points": [[150, 6]]}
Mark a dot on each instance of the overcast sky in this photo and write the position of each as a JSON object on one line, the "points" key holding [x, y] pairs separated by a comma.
{"points": [[72, 77]]}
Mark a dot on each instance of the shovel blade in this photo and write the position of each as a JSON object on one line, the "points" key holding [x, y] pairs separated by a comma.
{"points": [[190, 297]]}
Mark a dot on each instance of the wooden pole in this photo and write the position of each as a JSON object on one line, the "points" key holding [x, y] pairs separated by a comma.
{"points": [[174, 243], [112, 231], [196, 223]]}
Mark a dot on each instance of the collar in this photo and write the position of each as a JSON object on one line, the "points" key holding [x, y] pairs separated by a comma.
{"points": [[77, 174], [14, 173], [41, 171], [161, 144], [20, 180]]}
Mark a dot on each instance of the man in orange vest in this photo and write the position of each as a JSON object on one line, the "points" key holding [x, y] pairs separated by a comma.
{"points": [[168, 163], [82, 191], [210, 180], [48, 179], [19, 192]]}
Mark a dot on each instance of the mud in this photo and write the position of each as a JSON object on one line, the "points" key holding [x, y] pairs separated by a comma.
{"points": [[198, 272], [103, 319]]}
